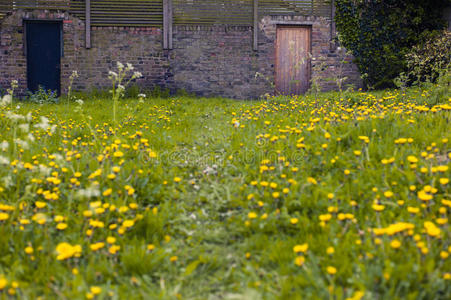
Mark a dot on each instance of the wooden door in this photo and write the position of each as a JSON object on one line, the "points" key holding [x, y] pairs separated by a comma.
{"points": [[43, 40], [292, 59]]}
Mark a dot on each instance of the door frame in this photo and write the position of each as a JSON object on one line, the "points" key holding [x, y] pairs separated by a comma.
{"points": [[293, 25], [59, 22]]}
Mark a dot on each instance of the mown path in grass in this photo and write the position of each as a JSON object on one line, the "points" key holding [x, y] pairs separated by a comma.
{"points": [[221, 199]]}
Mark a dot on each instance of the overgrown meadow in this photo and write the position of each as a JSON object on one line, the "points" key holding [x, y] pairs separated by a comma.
{"points": [[185, 198]]}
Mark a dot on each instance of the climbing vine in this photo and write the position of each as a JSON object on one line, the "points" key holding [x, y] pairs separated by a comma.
{"points": [[380, 33]]}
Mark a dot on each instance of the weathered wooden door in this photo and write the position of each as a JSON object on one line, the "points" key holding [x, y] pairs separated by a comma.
{"points": [[293, 46], [43, 40]]}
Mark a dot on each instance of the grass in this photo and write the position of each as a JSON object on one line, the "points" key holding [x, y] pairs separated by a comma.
{"points": [[289, 198]]}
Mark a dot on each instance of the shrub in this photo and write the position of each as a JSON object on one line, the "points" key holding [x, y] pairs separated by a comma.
{"points": [[380, 33], [427, 60], [132, 91], [42, 96]]}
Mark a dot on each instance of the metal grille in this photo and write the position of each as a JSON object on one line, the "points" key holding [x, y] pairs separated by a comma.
{"points": [[321, 8], [9, 5], [126, 13], [103, 12], [240, 12], [237, 12], [186, 12]]}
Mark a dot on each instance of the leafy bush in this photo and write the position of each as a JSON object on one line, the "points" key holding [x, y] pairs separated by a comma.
{"points": [[426, 61], [132, 91], [380, 33], [42, 96], [2, 91], [159, 92]]}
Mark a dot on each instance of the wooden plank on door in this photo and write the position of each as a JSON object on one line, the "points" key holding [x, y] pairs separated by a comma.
{"points": [[293, 46]]}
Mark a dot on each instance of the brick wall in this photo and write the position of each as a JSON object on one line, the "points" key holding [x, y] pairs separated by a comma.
{"points": [[207, 60], [219, 60]]}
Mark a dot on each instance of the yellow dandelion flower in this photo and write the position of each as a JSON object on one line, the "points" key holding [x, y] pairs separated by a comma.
{"points": [[331, 270], [424, 196], [412, 159], [312, 180], [300, 248], [378, 207], [40, 204], [95, 290], [97, 246], [3, 216], [299, 260], [395, 244], [111, 240], [388, 194], [3, 283], [432, 229], [61, 226], [252, 215], [128, 223], [118, 154]]}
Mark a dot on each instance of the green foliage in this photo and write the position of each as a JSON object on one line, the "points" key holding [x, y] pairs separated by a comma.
{"points": [[441, 89], [42, 96], [132, 91], [159, 92], [92, 94], [428, 60], [380, 33]]}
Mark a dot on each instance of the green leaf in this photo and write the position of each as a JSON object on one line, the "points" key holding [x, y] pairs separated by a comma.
{"points": [[191, 267]]}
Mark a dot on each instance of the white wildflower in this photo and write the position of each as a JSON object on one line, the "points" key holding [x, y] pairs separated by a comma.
{"points": [[137, 75], [14, 117], [29, 117], [44, 124], [7, 181], [44, 171], [4, 145], [112, 74], [23, 144], [90, 192], [31, 137], [4, 160], [25, 127], [14, 84], [6, 100], [129, 67], [120, 66], [74, 74]]}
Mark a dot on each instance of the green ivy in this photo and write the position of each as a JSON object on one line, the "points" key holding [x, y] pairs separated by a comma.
{"points": [[380, 33]]}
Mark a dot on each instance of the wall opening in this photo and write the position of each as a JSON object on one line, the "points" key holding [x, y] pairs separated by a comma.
{"points": [[43, 47]]}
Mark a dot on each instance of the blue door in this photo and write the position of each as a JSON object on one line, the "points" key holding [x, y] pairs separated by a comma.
{"points": [[43, 40]]}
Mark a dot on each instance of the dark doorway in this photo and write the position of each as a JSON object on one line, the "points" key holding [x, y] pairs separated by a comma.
{"points": [[43, 44]]}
